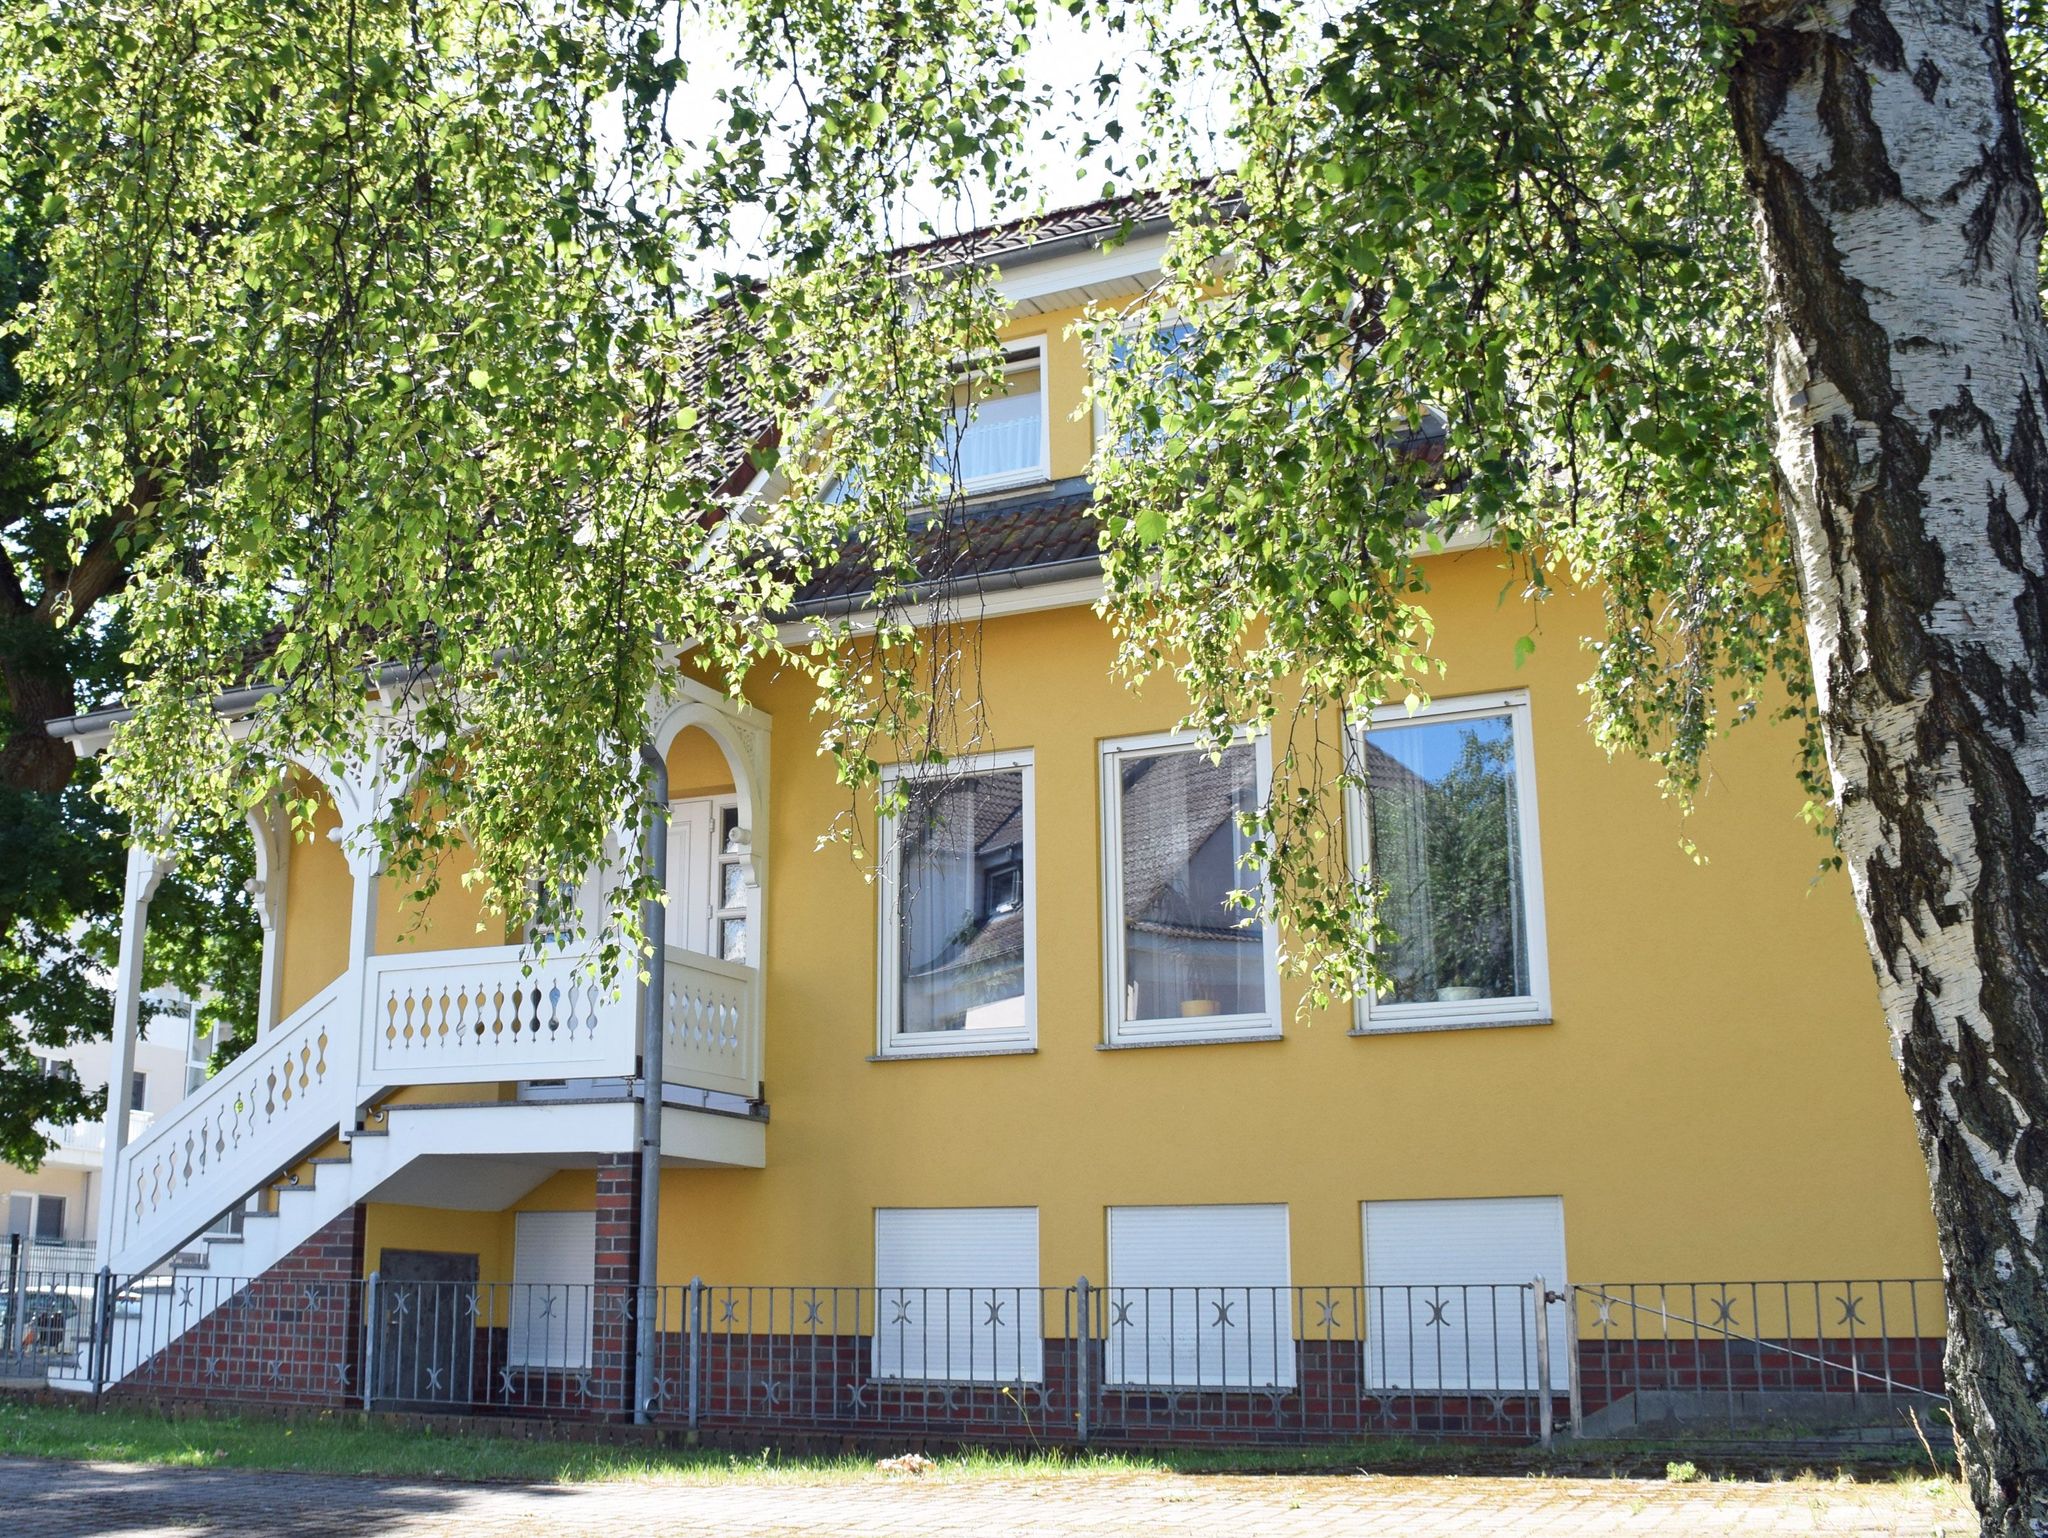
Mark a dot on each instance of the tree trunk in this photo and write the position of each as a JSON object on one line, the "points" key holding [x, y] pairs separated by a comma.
{"points": [[30, 758], [1900, 227]]}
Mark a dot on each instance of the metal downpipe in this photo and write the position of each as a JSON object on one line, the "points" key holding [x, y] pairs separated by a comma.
{"points": [[654, 923]]}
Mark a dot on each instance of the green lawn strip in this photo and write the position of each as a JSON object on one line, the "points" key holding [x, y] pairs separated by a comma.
{"points": [[345, 1444]]}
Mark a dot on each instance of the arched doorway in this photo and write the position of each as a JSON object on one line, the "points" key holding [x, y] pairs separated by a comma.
{"points": [[709, 853]]}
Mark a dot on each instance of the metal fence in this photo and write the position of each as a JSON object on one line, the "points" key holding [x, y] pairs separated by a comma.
{"points": [[1508, 1361]]}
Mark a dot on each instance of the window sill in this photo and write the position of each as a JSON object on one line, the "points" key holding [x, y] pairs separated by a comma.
{"points": [[1020, 1050], [1414, 1027], [1235, 1039], [1037, 475]]}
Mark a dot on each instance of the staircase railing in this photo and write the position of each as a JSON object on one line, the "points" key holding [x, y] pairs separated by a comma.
{"points": [[262, 1112]]}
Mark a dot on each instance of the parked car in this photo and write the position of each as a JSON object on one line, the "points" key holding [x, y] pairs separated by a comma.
{"points": [[53, 1320]]}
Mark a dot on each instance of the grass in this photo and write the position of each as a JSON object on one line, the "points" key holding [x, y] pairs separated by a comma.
{"points": [[347, 1444]]}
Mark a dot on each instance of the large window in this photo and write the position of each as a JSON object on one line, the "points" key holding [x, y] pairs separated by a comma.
{"points": [[1183, 962], [1447, 829], [956, 963], [1199, 1298], [956, 1294]]}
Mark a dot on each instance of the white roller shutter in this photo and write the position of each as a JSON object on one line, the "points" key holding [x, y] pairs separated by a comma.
{"points": [[554, 1268], [1199, 1297], [956, 1294], [1447, 1305]]}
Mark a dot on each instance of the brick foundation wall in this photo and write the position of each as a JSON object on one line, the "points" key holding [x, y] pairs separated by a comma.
{"points": [[293, 1336]]}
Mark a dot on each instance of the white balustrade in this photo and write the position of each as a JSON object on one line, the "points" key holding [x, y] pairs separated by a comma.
{"points": [[439, 1017], [493, 1014], [260, 1113], [711, 1014]]}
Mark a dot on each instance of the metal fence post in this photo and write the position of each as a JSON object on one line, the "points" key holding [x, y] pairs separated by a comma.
{"points": [[102, 1329], [1571, 1361], [1543, 1409], [370, 1322], [1080, 1373], [15, 1291], [695, 1322]]}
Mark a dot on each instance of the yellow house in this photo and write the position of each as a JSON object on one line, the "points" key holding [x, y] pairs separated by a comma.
{"points": [[1030, 1132]]}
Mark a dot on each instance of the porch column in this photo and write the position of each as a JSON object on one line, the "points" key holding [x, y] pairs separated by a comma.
{"points": [[271, 828], [146, 871], [365, 865]]}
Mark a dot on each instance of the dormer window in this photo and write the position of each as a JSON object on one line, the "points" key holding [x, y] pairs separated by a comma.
{"points": [[996, 434], [997, 431]]}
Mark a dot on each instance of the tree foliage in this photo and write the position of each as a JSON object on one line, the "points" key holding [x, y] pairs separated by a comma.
{"points": [[423, 353], [61, 647]]}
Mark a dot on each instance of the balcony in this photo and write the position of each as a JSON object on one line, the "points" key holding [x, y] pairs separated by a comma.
{"points": [[501, 1014], [82, 1143]]}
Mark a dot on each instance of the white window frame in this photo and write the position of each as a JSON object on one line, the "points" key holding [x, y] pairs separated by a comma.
{"points": [[1131, 326], [1375, 1017], [890, 1040], [1020, 1305], [723, 859], [1117, 1031], [1042, 471]]}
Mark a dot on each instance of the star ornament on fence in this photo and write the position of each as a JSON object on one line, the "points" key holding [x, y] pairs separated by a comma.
{"points": [[992, 1312], [731, 1308], [1120, 1314], [1222, 1310], [1852, 1309], [1724, 1311], [1329, 1313], [902, 1311], [811, 1311], [1439, 1312]]}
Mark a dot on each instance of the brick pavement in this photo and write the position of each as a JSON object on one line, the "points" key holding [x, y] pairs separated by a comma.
{"points": [[72, 1500]]}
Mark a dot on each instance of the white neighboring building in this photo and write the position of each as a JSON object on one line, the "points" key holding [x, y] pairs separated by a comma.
{"points": [[54, 1208]]}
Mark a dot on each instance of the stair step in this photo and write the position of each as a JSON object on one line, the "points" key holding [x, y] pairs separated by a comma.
{"points": [[331, 1159]]}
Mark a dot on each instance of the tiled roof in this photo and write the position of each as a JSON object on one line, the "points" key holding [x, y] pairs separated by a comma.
{"points": [[1101, 218], [1047, 527]]}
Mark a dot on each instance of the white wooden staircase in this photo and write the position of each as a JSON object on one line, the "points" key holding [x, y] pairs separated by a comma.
{"points": [[282, 1133]]}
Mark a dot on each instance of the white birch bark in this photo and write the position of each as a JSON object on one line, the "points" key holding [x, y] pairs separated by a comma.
{"points": [[1900, 225]]}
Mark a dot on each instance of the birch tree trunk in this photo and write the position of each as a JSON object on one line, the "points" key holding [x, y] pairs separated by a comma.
{"points": [[1900, 228]]}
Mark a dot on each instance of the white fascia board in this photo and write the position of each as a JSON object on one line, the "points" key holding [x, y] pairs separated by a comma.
{"points": [[1136, 259], [1069, 593]]}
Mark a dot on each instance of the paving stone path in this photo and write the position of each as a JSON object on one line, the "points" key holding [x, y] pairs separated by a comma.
{"points": [[40, 1499]]}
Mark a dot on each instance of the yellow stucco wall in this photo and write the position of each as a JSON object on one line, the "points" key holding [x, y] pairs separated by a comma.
{"points": [[697, 766], [456, 918], [1714, 1097], [316, 897]]}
